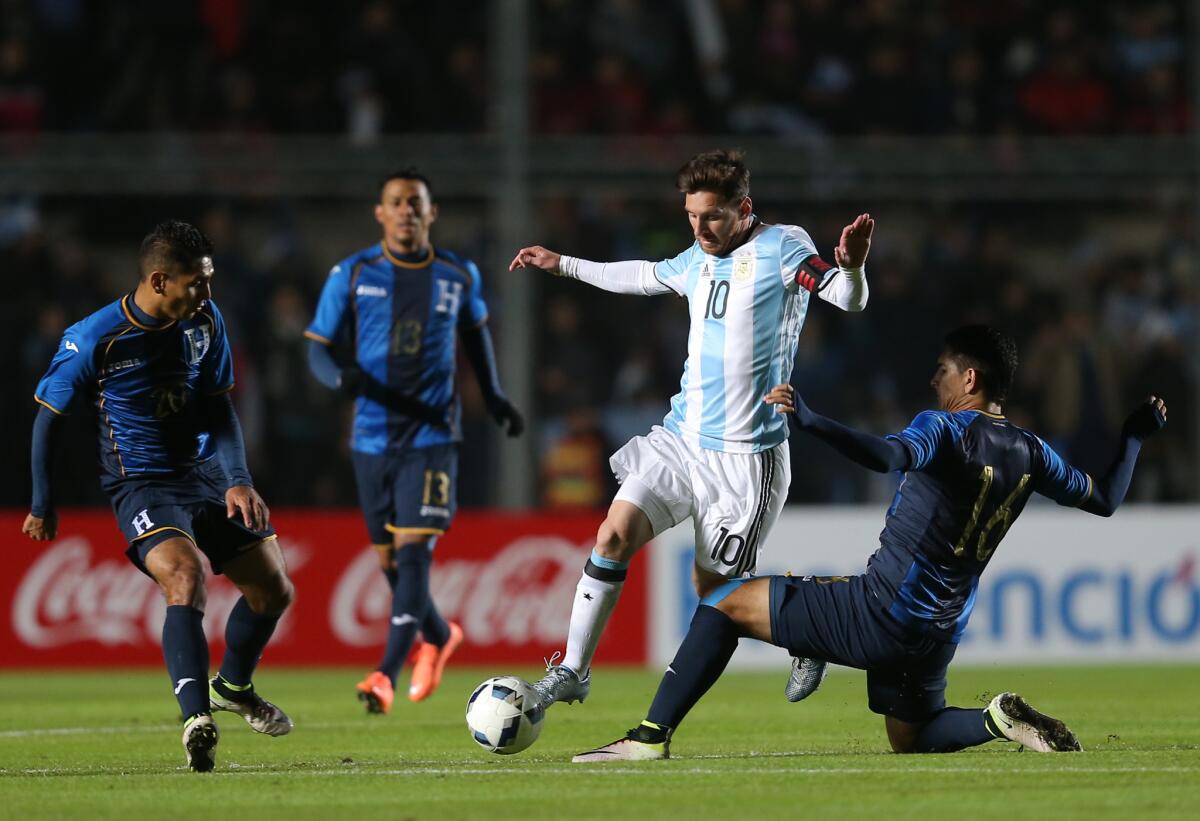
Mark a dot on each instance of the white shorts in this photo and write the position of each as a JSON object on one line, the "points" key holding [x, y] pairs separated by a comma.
{"points": [[732, 498]]}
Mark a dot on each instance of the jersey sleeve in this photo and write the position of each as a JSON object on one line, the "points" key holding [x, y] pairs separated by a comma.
{"points": [[799, 262], [332, 307], [923, 437], [670, 275], [216, 369], [477, 311], [1057, 480], [71, 371]]}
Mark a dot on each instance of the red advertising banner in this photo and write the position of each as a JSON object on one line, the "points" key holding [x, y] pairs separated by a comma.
{"points": [[507, 580]]}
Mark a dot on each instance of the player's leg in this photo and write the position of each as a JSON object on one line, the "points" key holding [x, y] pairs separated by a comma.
{"points": [[176, 567], [911, 696], [739, 607], [260, 573], [624, 530], [410, 560]]}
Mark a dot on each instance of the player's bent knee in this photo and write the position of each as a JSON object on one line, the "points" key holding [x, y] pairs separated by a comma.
{"points": [[614, 541]]}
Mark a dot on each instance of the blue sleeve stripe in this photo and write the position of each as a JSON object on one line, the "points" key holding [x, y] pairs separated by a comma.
{"points": [[607, 564]]}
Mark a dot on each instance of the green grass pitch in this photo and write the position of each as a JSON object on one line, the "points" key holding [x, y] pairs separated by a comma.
{"points": [[106, 745]]}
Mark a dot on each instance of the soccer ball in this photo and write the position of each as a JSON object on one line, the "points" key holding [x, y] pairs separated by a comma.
{"points": [[504, 716]]}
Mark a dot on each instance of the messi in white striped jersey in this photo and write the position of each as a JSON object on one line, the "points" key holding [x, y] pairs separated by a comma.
{"points": [[747, 307], [721, 456]]}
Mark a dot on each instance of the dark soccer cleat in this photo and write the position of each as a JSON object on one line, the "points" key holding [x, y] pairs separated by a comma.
{"points": [[1021, 723], [262, 716], [807, 675], [200, 738]]}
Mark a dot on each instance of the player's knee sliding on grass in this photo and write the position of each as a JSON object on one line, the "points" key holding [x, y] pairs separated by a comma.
{"points": [[720, 457], [968, 475]]}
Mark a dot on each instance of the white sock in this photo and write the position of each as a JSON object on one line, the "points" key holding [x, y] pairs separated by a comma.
{"points": [[595, 599]]}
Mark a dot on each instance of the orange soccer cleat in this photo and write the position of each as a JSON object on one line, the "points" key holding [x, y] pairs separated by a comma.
{"points": [[376, 692], [431, 661]]}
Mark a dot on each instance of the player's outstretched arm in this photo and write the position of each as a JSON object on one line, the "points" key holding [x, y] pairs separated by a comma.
{"points": [[42, 522], [872, 452], [635, 276], [477, 344], [1108, 492]]}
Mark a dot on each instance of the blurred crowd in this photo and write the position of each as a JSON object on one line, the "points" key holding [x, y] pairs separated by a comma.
{"points": [[1102, 303], [782, 67]]}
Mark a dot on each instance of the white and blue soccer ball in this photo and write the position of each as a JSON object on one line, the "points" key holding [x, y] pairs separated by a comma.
{"points": [[504, 716]]}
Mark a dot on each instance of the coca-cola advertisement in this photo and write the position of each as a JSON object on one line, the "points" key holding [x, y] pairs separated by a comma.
{"points": [[507, 580]]}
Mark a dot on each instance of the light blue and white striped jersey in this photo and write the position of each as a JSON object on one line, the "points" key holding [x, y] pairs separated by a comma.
{"points": [[747, 309]]}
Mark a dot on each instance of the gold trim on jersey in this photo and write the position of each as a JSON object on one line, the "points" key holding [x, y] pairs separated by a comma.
{"points": [[139, 325], [48, 406], [392, 258], [430, 531], [317, 338], [149, 533]]}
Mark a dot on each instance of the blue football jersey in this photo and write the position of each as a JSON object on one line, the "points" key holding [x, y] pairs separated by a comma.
{"points": [[970, 475], [143, 378], [400, 317]]}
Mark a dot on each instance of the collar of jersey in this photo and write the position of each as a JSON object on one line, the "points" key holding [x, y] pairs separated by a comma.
{"points": [[397, 261], [139, 318]]}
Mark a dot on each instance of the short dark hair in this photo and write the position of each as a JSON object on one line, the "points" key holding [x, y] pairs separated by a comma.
{"points": [[992, 353], [173, 244], [723, 172], [406, 173]]}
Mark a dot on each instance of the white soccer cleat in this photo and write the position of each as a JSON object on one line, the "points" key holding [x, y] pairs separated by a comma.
{"points": [[561, 684], [1021, 723], [262, 716], [200, 738], [807, 675], [625, 749]]}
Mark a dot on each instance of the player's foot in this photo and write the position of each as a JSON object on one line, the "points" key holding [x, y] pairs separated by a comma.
{"points": [[1021, 723], [561, 683], [431, 661], [262, 716], [200, 738], [642, 743], [376, 692], [807, 675]]}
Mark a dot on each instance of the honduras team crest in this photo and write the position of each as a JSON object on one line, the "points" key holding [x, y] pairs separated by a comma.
{"points": [[196, 344]]}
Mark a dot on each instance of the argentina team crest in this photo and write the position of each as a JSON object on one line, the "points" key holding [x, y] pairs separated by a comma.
{"points": [[743, 268], [196, 342]]}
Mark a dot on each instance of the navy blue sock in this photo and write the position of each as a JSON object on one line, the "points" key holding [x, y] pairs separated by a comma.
{"points": [[954, 728], [699, 662], [410, 603], [434, 628], [186, 652], [246, 636]]}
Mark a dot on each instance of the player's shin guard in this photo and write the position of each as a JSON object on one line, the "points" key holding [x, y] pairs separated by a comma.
{"points": [[410, 602], [595, 597], [185, 651], [246, 636], [953, 728], [699, 662]]}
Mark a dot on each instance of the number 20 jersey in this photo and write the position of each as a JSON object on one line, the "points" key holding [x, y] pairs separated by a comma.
{"points": [[970, 475], [400, 316]]}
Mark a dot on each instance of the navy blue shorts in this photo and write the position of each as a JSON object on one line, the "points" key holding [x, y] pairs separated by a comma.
{"points": [[150, 511], [838, 619], [414, 491]]}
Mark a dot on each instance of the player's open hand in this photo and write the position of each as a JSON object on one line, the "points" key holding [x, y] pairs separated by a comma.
{"points": [[41, 528], [1147, 419], [856, 242], [535, 256], [244, 500]]}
